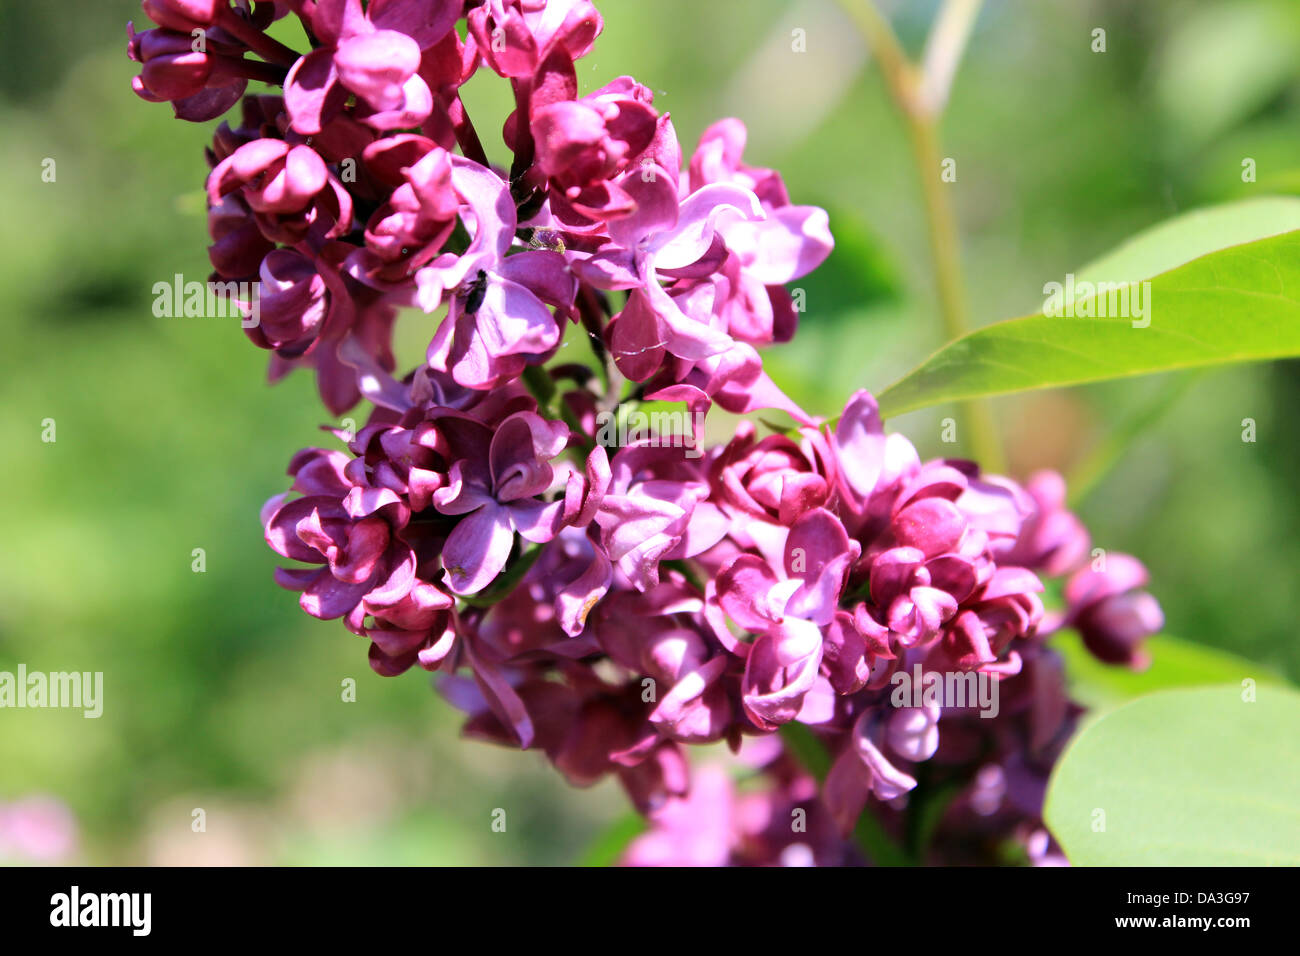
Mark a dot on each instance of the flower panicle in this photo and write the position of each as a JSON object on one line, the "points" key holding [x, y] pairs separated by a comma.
{"points": [[609, 604]]}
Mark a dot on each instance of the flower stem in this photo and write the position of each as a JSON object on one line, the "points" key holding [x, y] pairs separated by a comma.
{"points": [[946, 253], [594, 314], [466, 135], [539, 382], [897, 70], [920, 99], [251, 70], [943, 50], [266, 46]]}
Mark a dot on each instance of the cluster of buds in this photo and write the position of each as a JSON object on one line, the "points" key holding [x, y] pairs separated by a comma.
{"points": [[609, 606]]}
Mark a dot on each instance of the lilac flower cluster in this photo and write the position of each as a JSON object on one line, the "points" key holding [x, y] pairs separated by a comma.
{"points": [[609, 607]]}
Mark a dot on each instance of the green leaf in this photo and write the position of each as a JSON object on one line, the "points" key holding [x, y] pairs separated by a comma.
{"points": [[1193, 777], [1181, 239], [1174, 663], [609, 846], [1239, 304]]}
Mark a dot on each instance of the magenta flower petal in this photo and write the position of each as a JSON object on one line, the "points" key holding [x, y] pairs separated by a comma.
{"points": [[845, 654], [1121, 573], [636, 339], [780, 670], [1114, 627], [211, 102], [631, 523], [376, 66], [281, 530], [859, 444], [1008, 582], [655, 195], [295, 579], [513, 321], [477, 549], [543, 273], [788, 245], [464, 492], [366, 543], [520, 450], [575, 600], [818, 553], [611, 268], [744, 589], [887, 781], [412, 109], [183, 15], [685, 336], [501, 696], [896, 572], [692, 710], [312, 93], [537, 521], [319, 472], [425, 21], [697, 222], [932, 525], [335, 20], [328, 598]]}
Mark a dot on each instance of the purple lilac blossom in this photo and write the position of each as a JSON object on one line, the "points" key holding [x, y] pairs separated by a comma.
{"points": [[612, 607]]}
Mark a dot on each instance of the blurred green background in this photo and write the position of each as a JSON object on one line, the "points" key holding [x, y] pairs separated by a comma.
{"points": [[221, 695]]}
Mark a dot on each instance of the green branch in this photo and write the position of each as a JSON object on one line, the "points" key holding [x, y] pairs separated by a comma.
{"points": [[920, 98]]}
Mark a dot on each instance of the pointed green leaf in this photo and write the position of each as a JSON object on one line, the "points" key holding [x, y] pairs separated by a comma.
{"points": [[1238, 304], [1193, 234]]}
